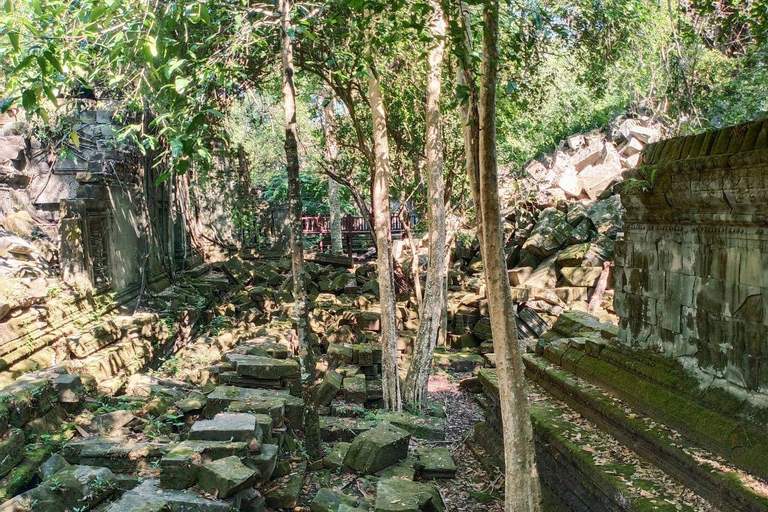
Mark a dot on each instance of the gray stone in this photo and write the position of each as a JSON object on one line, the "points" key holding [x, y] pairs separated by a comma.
{"points": [[420, 426], [11, 450], [266, 460], [549, 233], [116, 454], [107, 424], [286, 493], [335, 458], [436, 462], [328, 500], [53, 464], [266, 368], [329, 388], [582, 276], [355, 390], [136, 503], [226, 426], [179, 501], [194, 402], [79, 485], [226, 477], [377, 449], [396, 495], [180, 467]]}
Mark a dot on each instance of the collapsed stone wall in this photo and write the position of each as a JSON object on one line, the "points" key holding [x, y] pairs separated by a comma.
{"points": [[691, 274]]}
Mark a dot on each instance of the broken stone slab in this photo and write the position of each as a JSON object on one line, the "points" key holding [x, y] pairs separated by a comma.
{"points": [[77, 486], [226, 426], [519, 275], [420, 427], [226, 477], [572, 324], [266, 368], [545, 275], [108, 424], [343, 429], [118, 455], [11, 450], [328, 500], [581, 276], [550, 232], [29, 397], [266, 460], [329, 388], [403, 469], [355, 390], [285, 493], [193, 403], [137, 503], [178, 501], [436, 462], [335, 457], [459, 361], [265, 424], [180, 467], [236, 399], [377, 449], [53, 464], [70, 390], [396, 495]]}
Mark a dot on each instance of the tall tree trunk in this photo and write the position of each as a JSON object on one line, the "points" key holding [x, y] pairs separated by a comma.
{"points": [[429, 325], [383, 231], [332, 150], [306, 356], [470, 121], [522, 493]]}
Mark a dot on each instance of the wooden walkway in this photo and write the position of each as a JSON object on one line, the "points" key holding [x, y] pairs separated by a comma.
{"points": [[356, 233]]}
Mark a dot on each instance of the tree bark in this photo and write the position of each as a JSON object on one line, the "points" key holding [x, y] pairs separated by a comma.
{"points": [[431, 312], [301, 317], [522, 492], [383, 232], [332, 150]]}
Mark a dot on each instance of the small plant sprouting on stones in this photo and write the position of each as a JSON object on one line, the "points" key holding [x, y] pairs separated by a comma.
{"points": [[645, 181]]}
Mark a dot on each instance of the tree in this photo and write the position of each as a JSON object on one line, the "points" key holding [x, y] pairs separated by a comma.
{"points": [[301, 315], [522, 492], [383, 232], [434, 298], [331, 148]]}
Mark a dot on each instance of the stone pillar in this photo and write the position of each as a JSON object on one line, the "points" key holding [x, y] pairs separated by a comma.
{"points": [[74, 253]]}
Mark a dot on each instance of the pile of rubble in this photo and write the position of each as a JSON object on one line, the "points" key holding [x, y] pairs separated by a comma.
{"points": [[562, 220]]}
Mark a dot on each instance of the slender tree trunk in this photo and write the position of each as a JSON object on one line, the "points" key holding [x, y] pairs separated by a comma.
{"points": [[332, 150], [429, 325], [522, 493], [306, 356], [383, 231], [470, 120]]}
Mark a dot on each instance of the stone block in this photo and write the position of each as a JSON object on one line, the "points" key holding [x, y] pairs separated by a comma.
{"points": [[226, 427], [265, 461], [355, 390], [396, 495], [11, 450], [328, 500], [377, 449], [335, 458], [435, 462], [181, 501], [581, 276], [226, 477], [286, 494]]}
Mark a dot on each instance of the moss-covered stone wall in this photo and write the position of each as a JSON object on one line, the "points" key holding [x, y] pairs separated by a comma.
{"points": [[691, 274]]}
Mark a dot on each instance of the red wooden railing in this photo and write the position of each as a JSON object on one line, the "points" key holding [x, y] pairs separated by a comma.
{"points": [[320, 225]]}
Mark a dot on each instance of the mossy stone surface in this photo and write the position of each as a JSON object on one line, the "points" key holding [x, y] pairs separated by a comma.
{"points": [[396, 495], [377, 449]]}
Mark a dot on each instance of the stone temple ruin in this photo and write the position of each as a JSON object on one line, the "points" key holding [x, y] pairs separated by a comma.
{"points": [[136, 375]]}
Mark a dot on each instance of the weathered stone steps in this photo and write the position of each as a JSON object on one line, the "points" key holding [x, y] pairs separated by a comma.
{"points": [[588, 470], [737, 441], [598, 473], [699, 470]]}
